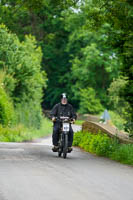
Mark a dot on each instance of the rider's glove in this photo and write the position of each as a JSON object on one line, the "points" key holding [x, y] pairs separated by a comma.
{"points": [[73, 121], [53, 119]]}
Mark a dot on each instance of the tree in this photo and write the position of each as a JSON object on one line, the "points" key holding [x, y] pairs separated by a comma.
{"points": [[88, 102], [44, 20], [85, 44], [94, 61], [119, 15], [21, 62], [116, 100]]}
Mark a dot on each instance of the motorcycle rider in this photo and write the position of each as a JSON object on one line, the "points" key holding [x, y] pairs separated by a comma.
{"points": [[66, 110]]}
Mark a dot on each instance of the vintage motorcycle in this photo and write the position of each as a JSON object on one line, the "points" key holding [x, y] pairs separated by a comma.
{"points": [[65, 123]]}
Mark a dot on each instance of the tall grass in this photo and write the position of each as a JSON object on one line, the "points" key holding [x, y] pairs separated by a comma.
{"points": [[20, 133]]}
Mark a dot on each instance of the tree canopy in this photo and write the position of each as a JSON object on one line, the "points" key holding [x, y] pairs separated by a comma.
{"points": [[86, 50], [20, 61]]}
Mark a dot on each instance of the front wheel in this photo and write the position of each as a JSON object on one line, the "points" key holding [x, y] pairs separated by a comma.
{"points": [[60, 152], [64, 155], [65, 148]]}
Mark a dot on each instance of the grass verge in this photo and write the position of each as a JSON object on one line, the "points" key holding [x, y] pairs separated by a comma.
{"points": [[102, 145], [21, 133], [79, 122]]}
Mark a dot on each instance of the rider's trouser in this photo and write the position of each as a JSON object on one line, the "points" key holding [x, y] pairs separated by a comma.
{"points": [[55, 135]]}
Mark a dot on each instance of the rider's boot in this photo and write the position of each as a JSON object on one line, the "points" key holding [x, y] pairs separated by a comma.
{"points": [[70, 149], [55, 148]]}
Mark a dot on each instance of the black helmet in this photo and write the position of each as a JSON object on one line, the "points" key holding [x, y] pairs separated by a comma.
{"points": [[63, 96]]}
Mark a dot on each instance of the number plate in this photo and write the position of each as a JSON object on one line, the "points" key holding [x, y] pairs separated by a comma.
{"points": [[66, 127]]}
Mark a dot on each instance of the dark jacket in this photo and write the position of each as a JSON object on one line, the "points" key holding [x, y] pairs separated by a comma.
{"points": [[63, 110]]}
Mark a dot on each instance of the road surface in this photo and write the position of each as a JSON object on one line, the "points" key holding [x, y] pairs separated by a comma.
{"points": [[31, 171]]}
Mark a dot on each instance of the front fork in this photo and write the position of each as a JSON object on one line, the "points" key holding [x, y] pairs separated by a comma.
{"points": [[65, 141]]}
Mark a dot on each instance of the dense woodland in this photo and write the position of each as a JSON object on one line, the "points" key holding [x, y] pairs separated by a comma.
{"points": [[81, 47]]}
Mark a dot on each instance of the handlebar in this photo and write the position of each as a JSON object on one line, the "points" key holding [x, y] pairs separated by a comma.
{"points": [[64, 119]]}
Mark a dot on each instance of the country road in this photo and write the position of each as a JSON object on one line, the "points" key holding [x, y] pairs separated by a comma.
{"points": [[31, 171]]}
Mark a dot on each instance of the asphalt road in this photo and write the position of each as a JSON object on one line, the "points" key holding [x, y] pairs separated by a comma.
{"points": [[31, 171]]}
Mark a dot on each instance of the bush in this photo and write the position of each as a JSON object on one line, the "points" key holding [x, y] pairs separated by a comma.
{"points": [[123, 154], [24, 81], [102, 145], [99, 144], [77, 138], [16, 134], [20, 133], [29, 114], [117, 120], [6, 108], [85, 142]]}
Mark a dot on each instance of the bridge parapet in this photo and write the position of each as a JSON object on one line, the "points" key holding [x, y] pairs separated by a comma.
{"points": [[111, 131]]}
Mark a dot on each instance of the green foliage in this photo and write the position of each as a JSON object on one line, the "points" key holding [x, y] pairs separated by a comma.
{"points": [[15, 134], [77, 138], [23, 80], [68, 47], [120, 105], [88, 102], [120, 37], [117, 102], [43, 19], [20, 133], [6, 107], [22, 64], [79, 122], [99, 145], [102, 145], [85, 44], [29, 114], [85, 142], [94, 63], [123, 154], [129, 127], [117, 120]]}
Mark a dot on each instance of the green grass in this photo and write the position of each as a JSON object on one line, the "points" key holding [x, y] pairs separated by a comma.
{"points": [[102, 145], [21, 133], [79, 122], [45, 129]]}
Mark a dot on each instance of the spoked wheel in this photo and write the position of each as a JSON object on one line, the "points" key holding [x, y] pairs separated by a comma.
{"points": [[59, 152], [65, 149], [60, 146], [64, 155]]}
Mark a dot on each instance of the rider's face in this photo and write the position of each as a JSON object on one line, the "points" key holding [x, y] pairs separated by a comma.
{"points": [[64, 101]]}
